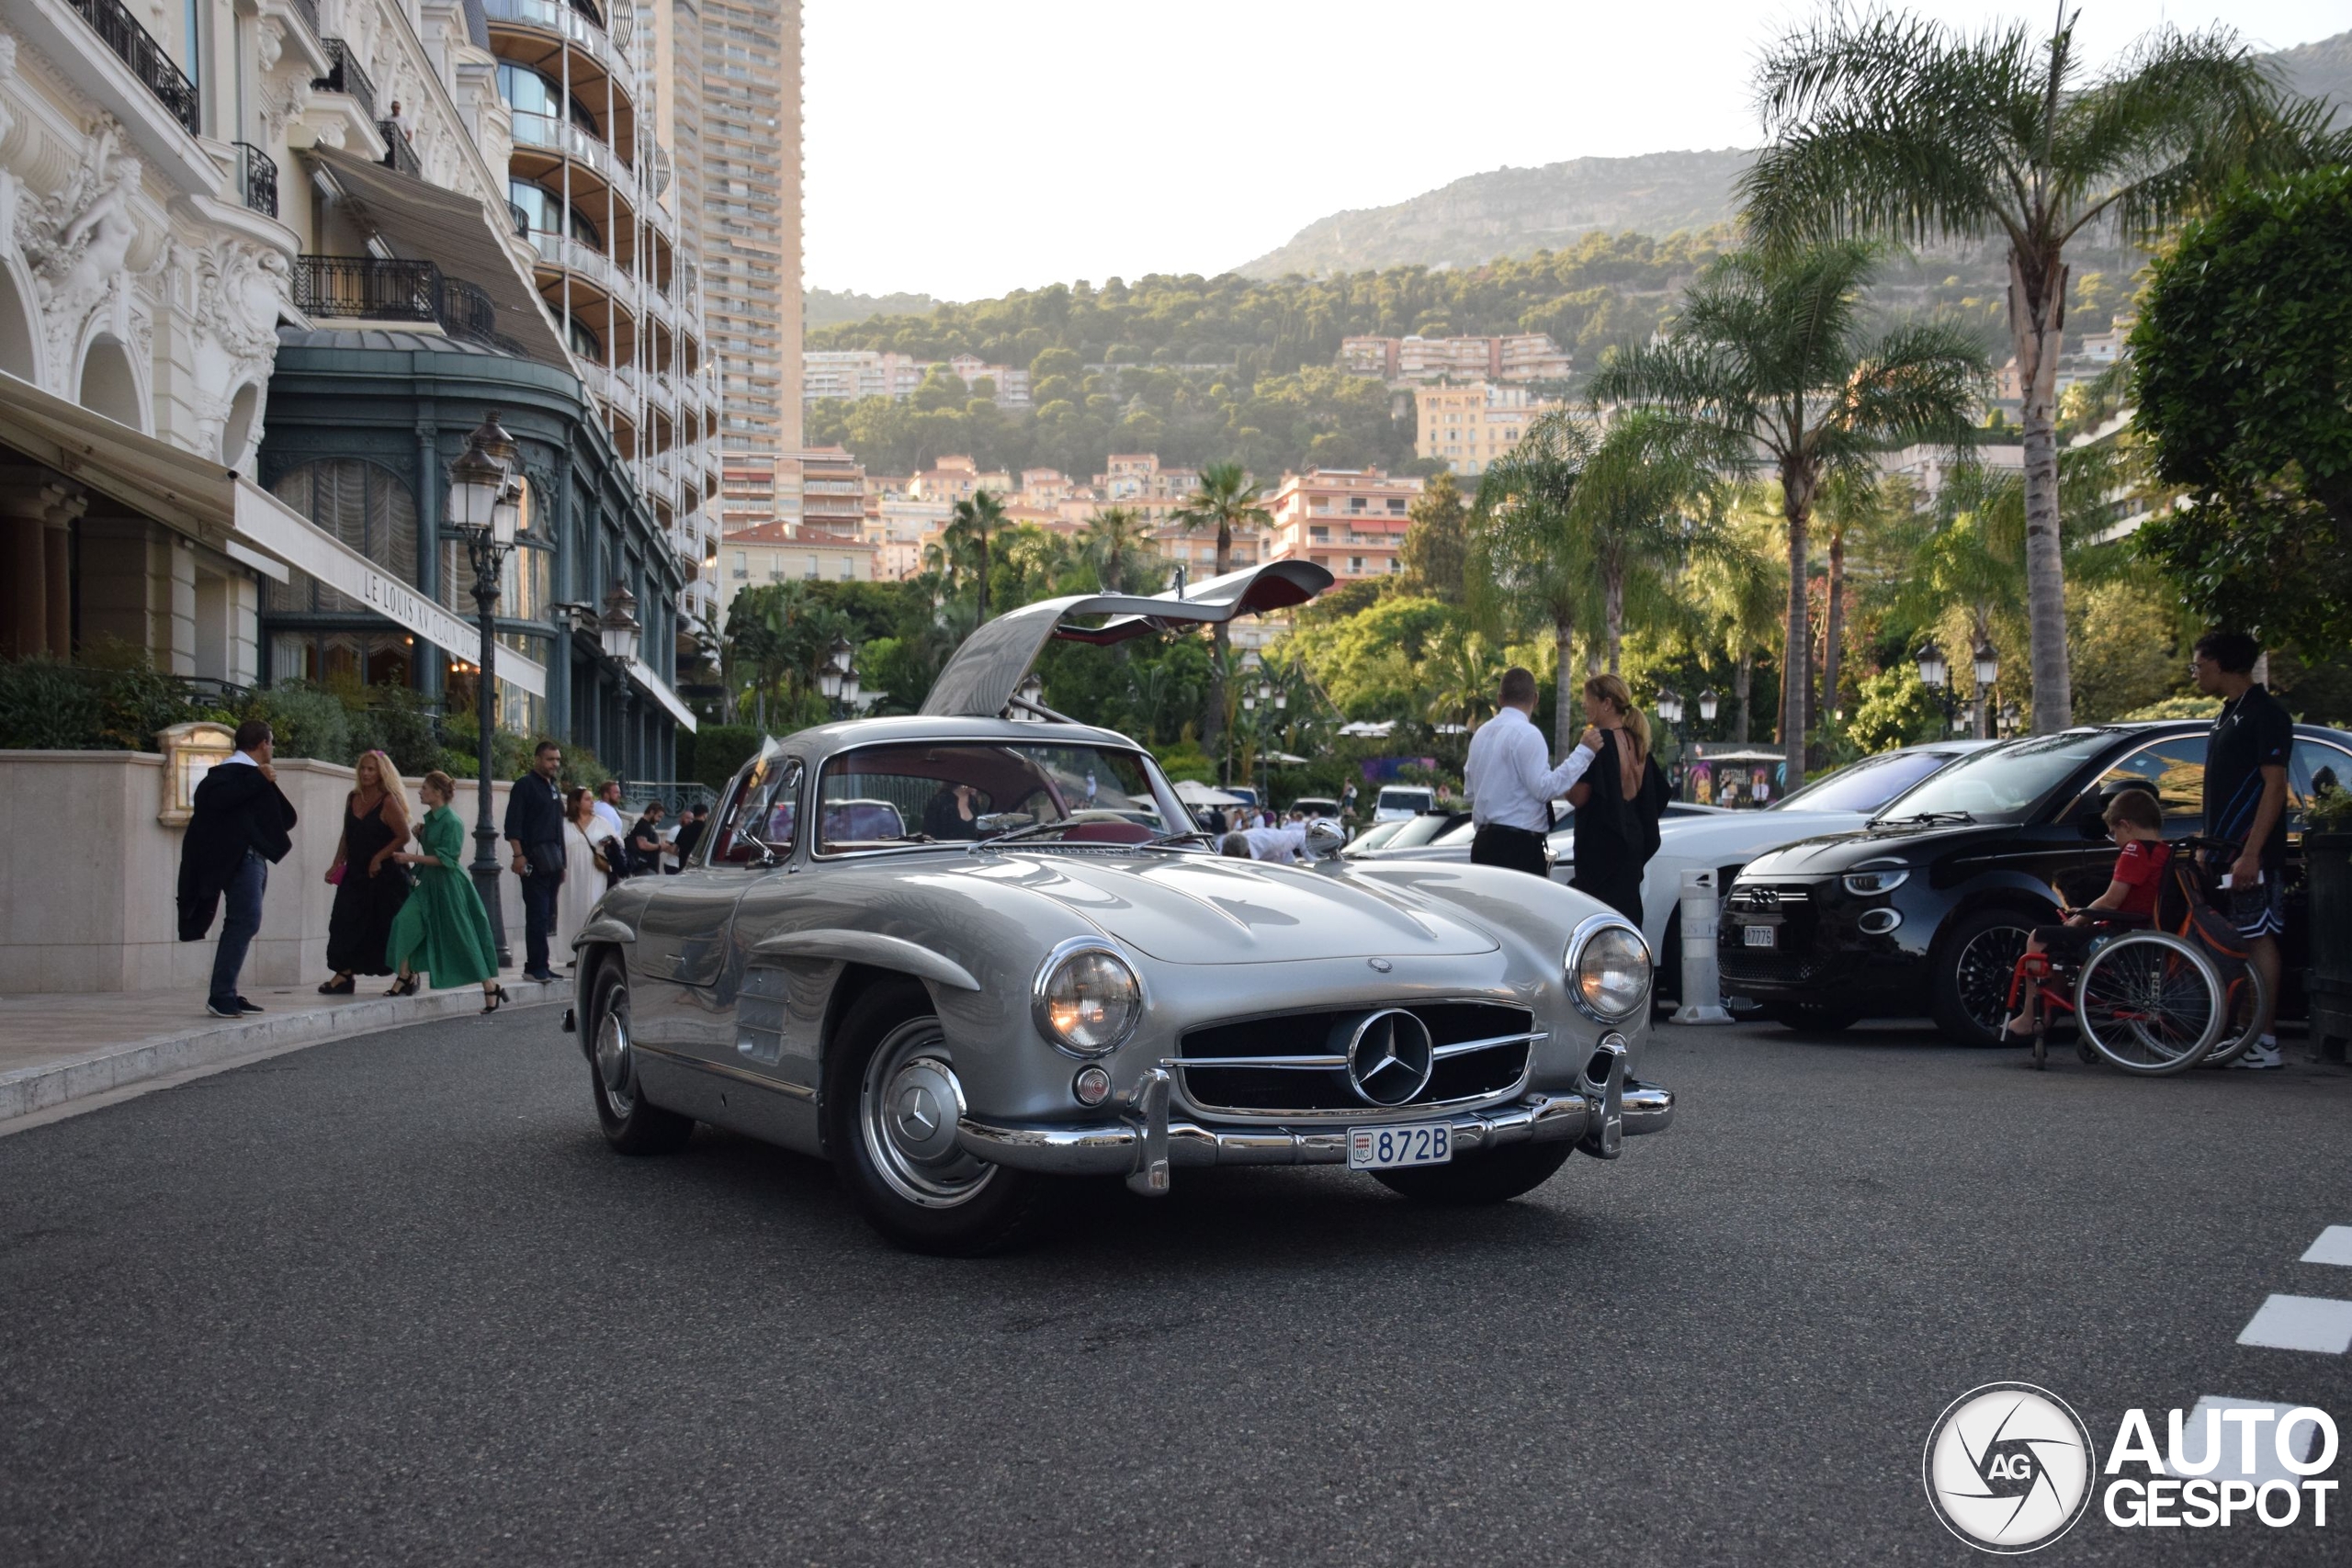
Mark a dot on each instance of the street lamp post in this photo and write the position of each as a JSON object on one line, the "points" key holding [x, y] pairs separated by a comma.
{"points": [[837, 677], [486, 508], [1988, 671]]}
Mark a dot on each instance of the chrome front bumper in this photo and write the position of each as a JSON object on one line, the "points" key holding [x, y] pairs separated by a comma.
{"points": [[1146, 1142]]}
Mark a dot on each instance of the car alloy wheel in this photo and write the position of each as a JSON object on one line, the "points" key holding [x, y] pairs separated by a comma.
{"points": [[632, 1125], [1970, 989], [909, 1103], [614, 1068]]}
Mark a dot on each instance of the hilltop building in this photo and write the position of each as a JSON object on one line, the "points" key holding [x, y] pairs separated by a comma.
{"points": [[1519, 356], [1468, 427], [1351, 521]]}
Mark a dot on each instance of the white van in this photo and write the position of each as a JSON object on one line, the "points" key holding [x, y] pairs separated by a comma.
{"points": [[1397, 801]]}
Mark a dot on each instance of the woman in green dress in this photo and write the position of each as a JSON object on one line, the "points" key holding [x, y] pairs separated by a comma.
{"points": [[441, 929]]}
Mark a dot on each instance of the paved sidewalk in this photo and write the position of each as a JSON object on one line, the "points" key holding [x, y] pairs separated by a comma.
{"points": [[55, 1049]]}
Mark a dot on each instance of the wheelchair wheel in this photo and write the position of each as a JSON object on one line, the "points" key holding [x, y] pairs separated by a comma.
{"points": [[2244, 998], [2149, 1002]]}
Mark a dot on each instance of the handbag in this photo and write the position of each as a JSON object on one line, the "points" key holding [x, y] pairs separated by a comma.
{"points": [[334, 873]]}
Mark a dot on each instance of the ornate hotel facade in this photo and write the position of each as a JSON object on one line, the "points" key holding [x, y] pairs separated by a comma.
{"points": [[265, 264]]}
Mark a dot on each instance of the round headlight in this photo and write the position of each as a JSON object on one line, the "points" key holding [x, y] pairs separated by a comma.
{"points": [[1088, 1000], [1608, 970]]}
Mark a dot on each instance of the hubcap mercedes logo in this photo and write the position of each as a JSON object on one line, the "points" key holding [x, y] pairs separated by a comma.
{"points": [[1389, 1057]]}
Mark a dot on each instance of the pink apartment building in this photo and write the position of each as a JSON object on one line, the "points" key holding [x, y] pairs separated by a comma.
{"points": [[1351, 521]]}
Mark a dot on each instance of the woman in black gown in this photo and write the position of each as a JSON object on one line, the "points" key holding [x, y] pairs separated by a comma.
{"points": [[1618, 801], [369, 887]]}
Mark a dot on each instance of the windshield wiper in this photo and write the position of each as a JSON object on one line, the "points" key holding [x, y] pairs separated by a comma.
{"points": [[1923, 818], [1011, 834]]}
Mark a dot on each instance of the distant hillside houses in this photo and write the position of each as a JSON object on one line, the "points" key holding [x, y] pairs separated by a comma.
{"points": [[851, 374], [1520, 356]]}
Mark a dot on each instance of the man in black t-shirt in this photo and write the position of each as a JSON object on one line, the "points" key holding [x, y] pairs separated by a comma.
{"points": [[2246, 803]]}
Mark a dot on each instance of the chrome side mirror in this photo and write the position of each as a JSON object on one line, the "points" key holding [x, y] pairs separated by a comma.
{"points": [[1324, 838]]}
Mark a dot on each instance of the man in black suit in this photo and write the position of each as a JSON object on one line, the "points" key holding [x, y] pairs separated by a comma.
{"points": [[535, 831], [690, 823], [241, 824]]}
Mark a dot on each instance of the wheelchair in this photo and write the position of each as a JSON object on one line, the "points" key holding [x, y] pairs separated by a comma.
{"points": [[2151, 998]]}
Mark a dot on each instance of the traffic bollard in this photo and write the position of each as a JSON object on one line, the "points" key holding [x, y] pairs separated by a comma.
{"points": [[1703, 1000]]}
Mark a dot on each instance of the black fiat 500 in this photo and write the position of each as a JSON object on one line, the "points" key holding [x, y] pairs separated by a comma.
{"points": [[1926, 910]]}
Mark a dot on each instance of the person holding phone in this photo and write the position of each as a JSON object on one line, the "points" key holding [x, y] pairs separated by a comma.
{"points": [[2246, 804]]}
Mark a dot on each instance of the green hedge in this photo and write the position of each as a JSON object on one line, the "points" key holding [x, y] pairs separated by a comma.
{"points": [[712, 754]]}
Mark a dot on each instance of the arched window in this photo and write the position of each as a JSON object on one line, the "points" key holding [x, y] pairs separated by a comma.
{"points": [[367, 507]]}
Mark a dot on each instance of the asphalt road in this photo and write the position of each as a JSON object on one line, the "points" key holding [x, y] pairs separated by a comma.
{"points": [[391, 1300]]}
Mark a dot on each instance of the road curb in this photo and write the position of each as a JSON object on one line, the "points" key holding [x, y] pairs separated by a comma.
{"points": [[215, 1042]]}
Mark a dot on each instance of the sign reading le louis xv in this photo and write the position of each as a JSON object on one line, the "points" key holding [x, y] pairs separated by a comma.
{"points": [[285, 533]]}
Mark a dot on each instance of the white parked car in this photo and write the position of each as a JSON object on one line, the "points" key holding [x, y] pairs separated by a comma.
{"points": [[1698, 837], [1397, 802]]}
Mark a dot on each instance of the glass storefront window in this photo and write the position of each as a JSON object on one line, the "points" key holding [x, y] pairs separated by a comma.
{"points": [[366, 507]]}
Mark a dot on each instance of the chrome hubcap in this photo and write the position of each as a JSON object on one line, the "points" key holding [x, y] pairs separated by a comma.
{"points": [[613, 1067], [908, 1107]]}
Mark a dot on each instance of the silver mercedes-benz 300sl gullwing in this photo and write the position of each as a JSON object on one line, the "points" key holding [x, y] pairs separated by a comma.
{"points": [[968, 951]]}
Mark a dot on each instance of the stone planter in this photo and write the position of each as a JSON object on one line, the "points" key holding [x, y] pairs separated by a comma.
{"points": [[2329, 859]]}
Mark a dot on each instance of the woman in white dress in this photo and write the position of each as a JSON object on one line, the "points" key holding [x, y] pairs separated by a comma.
{"points": [[586, 837]]}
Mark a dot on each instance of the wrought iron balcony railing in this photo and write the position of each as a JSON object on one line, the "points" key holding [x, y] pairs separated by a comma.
{"points": [[137, 47], [398, 153], [369, 289], [347, 76], [257, 172]]}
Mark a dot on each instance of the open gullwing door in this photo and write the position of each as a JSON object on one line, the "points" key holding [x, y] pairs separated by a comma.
{"points": [[987, 669]]}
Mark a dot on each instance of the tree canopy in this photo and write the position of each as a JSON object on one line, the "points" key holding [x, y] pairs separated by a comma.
{"points": [[2244, 362]]}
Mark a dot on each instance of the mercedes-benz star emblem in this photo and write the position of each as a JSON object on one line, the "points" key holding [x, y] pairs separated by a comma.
{"points": [[1380, 964], [1389, 1057]]}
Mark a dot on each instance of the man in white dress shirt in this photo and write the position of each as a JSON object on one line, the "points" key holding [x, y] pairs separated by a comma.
{"points": [[1510, 788]]}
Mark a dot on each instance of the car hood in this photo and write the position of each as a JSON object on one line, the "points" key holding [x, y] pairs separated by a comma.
{"points": [[1828, 854], [1211, 909]]}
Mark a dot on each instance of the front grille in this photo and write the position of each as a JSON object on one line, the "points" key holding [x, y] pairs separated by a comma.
{"points": [[1498, 1040], [1741, 966]]}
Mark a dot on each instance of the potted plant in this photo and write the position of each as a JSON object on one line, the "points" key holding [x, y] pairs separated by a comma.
{"points": [[2328, 852]]}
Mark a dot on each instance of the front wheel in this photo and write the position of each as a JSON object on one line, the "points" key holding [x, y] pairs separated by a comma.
{"points": [[632, 1125], [2150, 1003], [1970, 989], [892, 1101], [1496, 1178]]}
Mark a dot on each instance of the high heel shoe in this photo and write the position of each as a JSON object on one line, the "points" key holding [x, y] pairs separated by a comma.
{"points": [[405, 986], [342, 987], [493, 998]]}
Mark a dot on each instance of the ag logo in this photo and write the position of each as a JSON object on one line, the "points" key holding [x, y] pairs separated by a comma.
{"points": [[2008, 1467]]}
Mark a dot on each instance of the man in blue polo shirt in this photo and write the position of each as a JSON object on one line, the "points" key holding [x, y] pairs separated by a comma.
{"points": [[2246, 803]]}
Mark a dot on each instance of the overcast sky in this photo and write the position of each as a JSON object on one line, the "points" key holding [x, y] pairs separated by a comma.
{"points": [[964, 150]]}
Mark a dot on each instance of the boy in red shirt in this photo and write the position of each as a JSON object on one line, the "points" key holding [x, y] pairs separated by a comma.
{"points": [[2137, 824]]}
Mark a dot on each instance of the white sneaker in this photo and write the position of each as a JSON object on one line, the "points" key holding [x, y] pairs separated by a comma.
{"points": [[2262, 1053]]}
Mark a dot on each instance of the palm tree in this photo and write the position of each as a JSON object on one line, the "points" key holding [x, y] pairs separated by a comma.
{"points": [[1769, 361], [1643, 483], [1529, 555], [974, 519], [1117, 545], [1223, 498], [1892, 124], [1741, 590], [1851, 503]]}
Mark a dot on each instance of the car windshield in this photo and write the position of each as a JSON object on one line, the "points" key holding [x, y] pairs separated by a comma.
{"points": [[1865, 785], [1404, 800], [1415, 831], [880, 797], [2002, 783], [1375, 838]]}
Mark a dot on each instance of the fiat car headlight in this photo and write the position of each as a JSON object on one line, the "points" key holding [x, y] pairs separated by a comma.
{"points": [[1608, 970], [1874, 877], [1088, 999]]}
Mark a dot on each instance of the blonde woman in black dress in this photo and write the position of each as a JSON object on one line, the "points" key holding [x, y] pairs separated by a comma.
{"points": [[369, 888], [1618, 801]]}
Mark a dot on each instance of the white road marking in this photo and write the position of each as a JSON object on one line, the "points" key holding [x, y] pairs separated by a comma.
{"points": [[2302, 1323], [2334, 1246], [2266, 1466]]}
